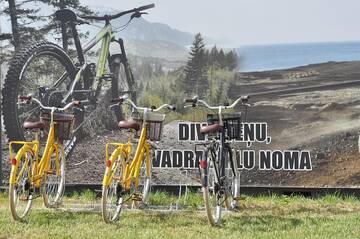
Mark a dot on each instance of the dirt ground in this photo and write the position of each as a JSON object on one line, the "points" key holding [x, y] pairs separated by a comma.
{"points": [[325, 122]]}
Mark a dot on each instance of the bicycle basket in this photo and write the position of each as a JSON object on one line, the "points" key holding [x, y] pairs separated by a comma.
{"points": [[154, 125], [64, 124], [232, 124]]}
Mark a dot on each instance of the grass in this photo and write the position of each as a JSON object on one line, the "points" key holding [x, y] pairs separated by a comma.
{"points": [[259, 217]]}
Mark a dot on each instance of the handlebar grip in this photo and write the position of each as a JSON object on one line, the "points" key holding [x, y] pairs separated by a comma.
{"points": [[145, 7], [245, 98], [116, 100], [120, 99], [24, 98], [190, 100], [77, 102], [172, 107]]}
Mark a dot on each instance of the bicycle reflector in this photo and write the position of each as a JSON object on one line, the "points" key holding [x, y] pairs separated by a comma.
{"points": [[13, 161], [108, 163], [202, 164]]}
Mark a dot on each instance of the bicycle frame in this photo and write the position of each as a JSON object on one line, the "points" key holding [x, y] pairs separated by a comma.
{"points": [[38, 167], [132, 170], [105, 35]]}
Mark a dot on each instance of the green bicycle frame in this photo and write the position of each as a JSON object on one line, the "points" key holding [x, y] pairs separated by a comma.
{"points": [[106, 36]]}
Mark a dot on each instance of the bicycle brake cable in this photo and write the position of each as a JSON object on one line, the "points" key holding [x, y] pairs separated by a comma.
{"points": [[123, 27]]}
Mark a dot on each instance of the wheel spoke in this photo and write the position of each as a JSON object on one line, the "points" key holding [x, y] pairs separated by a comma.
{"points": [[20, 193], [54, 183]]}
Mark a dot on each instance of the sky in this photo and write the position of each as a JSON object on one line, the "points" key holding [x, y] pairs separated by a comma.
{"points": [[241, 22]]}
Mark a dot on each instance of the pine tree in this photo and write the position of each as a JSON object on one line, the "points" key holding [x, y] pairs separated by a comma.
{"points": [[21, 18], [232, 60], [195, 80], [213, 57], [221, 59], [64, 29]]}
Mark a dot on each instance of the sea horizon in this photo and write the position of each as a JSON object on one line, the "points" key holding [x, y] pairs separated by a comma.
{"points": [[276, 56]]}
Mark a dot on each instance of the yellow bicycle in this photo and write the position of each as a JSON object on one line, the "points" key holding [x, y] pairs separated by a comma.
{"points": [[127, 176], [29, 174]]}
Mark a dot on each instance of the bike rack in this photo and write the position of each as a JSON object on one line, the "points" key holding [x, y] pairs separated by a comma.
{"points": [[181, 198]]}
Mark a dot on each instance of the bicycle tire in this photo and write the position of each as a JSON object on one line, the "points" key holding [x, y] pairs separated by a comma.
{"points": [[213, 199], [111, 190], [122, 81], [114, 187], [17, 66], [54, 186], [232, 182], [22, 183]]}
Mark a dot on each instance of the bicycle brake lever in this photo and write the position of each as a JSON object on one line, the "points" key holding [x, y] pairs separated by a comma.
{"points": [[137, 14], [112, 106]]}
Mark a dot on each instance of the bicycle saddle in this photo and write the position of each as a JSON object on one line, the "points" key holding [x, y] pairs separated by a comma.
{"points": [[209, 128], [34, 125], [65, 15], [129, 124]]}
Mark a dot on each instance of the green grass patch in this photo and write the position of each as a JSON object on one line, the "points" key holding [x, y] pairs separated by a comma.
{"points": [[331, 216]]}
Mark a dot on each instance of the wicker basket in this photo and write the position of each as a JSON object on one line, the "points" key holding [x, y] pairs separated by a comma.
{"points": [[232, 124], [64, 124], [154, 125]]}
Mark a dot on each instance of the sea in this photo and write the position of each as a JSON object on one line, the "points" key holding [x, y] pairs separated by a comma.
{"points": [[283, 56]]}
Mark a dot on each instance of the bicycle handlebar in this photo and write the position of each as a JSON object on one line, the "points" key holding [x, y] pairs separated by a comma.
{"points": [[111, 17], [195, 100], [191, 100], [124, 98], [146, 7], [72, 103]]}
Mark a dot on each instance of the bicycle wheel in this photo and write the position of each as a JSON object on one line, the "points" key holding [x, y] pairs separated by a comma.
{"points": [[122, 82], [20, 188], [43, 70], [145, 182], [54, 179], [113, 194], [138, 194], [232, 182], [214, 195]]}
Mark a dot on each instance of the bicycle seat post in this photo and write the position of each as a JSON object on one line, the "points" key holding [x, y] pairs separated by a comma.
{"points": [[77, 43]]}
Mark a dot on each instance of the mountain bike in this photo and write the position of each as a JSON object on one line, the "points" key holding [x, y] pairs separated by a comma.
{"points": [[219, 185], [127, 176], [47, 72], [30, 174]]}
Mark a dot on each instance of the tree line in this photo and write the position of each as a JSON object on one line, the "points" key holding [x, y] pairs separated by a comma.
{"points": [[29, 25], [202, 62], [209, 73]]}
